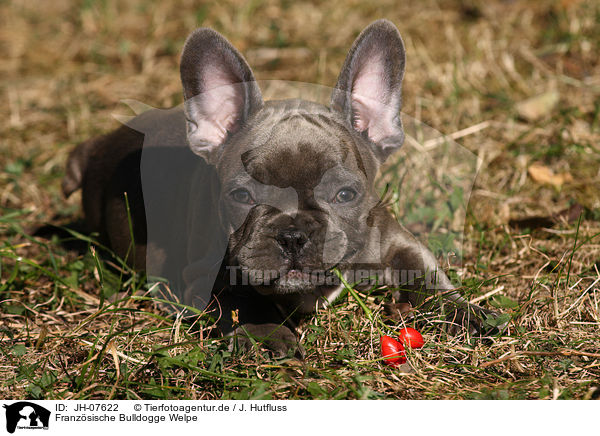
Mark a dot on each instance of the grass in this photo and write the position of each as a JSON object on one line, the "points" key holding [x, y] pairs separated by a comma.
{"points": [[82, 327]]}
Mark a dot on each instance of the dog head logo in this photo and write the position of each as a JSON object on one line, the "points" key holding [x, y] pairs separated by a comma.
{"points": [[26, 415]]}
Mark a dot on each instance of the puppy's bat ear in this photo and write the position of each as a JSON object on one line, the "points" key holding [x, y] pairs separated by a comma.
{"points": [[219, 89], [368, 90]]}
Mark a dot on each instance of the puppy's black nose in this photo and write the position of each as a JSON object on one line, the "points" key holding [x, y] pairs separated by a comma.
{"points": [[291, 240]]}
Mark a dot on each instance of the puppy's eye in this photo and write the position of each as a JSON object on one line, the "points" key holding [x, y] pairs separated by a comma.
{"points": [[242, 196], [344, 195]]}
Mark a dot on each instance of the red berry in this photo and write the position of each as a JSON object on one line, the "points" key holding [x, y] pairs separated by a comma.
{"points": [[411, 338], [392, 350]]}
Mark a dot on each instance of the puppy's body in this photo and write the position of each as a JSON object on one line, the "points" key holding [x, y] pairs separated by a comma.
{"points": [[232, 184]]}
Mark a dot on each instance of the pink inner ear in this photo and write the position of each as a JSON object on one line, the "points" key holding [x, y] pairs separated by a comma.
{"points": [[218, 108], [372, 108]]}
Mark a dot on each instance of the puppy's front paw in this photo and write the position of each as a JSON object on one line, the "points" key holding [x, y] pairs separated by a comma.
{"points": [[278, 339]]}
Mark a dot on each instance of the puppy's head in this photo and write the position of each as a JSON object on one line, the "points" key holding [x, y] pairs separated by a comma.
{"points": [[296, 177]]}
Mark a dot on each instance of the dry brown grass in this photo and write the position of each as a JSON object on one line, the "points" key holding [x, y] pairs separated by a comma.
{"points": [[66, 65]]}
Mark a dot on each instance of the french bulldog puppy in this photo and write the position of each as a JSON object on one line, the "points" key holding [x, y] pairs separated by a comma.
{"points": [[232, 185]]}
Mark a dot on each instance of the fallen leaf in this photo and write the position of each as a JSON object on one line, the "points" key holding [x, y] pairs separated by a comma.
{"points": [[537, 107], [544, 175]]}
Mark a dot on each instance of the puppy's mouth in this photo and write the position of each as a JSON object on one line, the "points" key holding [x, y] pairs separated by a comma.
{"points": [[291, 276], [295, 275], [297, 281], [301, 279], [294, 280]]}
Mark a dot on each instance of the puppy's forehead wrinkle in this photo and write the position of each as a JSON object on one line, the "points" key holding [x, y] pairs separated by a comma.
{"points": [[291, 133], [288, 162], [292, 154]]}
